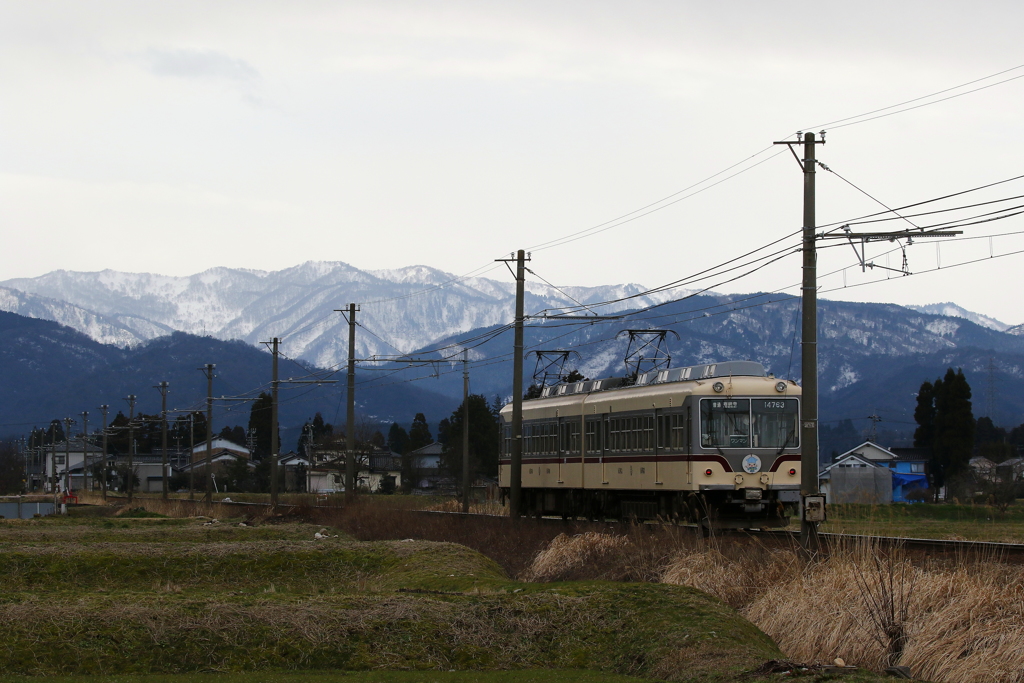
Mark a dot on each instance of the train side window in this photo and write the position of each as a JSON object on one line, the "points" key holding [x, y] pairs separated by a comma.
{"points": [[648, 440], [592, 440]]}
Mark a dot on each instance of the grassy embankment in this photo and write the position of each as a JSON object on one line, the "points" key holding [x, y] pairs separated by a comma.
{"points": [[106, 595], [923, 520], [955, 620], [519, 676], [918, 520]]}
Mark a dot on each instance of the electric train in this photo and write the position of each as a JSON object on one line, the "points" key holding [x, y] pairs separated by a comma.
{"points": [[715, 444]]}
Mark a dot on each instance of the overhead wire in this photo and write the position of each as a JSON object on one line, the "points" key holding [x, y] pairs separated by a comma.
{"points": [[920, 203], [590, 232], [833, 126]]}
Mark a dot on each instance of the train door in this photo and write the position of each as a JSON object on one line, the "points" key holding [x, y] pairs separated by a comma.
{"points": [[688, 437], [562, 447], [660, 442]]}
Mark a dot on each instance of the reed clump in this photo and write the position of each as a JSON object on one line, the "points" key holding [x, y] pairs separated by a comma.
{"points": [[958, 621], [588, 555]]}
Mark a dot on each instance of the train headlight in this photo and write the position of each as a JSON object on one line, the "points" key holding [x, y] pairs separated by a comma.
{"points": [[708, 472], [718, 387], [792, 471], [780, 387]]}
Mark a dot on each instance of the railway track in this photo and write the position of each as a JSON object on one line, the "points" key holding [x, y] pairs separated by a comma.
{"points": [[939, 545], [1013, 552], [967, 548]]}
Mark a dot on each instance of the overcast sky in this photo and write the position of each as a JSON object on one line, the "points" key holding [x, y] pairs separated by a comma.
{"points": [[172, 137]]}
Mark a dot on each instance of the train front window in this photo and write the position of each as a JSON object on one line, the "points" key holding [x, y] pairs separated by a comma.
{"points": [[776, 423], [725, 423]]}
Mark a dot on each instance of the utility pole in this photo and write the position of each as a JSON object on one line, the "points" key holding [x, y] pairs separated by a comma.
{"points": [[350, 429], [162, 388], [103, 470], [85, 449], [875, 419], [274, 383], [465, 430], [208, 372], [516, 464], [191, 456], [131, 446], [53, 460], [67, 454], [809, 353]]}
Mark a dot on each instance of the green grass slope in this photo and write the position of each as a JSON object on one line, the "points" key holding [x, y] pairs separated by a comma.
{"points": [[141, 596]]}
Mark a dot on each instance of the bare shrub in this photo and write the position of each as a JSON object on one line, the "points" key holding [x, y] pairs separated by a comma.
{"points": [[886, 586], [589, 555], [962, 623]]}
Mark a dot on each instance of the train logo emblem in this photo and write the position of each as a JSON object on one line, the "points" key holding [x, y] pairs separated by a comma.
{"points": [[751, 464]]}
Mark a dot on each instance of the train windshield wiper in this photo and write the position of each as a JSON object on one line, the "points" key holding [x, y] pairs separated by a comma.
{"points": [[792, 433]]}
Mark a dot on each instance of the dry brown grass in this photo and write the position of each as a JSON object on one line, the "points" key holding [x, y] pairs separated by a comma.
{"points": [[476, 507], [588, 555], [960, 621], [963, 623]]}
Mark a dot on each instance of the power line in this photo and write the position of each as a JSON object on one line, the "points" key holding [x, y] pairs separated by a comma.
{"points": [[832, 125], [922, 203], [589, 232]]}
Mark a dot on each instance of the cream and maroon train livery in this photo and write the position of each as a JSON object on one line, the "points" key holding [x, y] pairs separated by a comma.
{"points": [[716, 444]]}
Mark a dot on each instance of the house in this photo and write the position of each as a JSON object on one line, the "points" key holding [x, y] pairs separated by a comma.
{"points": [[316, 474], [852, 477], [220, 458], [383, 471], [982, 468], [294, 466], [1011, 469], [219, 445], [377, 471], [66, 460], [427, 475]]}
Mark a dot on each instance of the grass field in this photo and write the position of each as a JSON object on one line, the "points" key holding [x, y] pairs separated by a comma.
{"points": [[122, 591], [103, 595], [520, 676], [920, 520]]}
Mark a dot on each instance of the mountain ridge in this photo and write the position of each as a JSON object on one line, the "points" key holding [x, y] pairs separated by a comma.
{"points": [[415, 305]]}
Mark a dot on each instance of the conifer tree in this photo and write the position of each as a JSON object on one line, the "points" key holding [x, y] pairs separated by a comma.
{"points": [[945, 426], [398, 439], [483, 439], [419, 433], [260, 425]]}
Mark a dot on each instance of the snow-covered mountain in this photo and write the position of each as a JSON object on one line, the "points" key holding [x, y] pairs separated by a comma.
{"points": [[401, 310], [951, 310], [871, 356], [118, 329]]}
